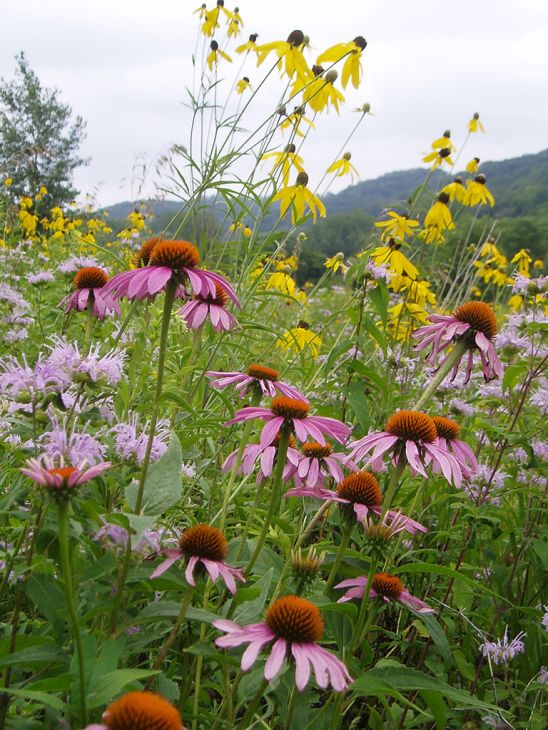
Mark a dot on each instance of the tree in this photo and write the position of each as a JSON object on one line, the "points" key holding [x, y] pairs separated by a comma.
{"points": [[39, 142]]}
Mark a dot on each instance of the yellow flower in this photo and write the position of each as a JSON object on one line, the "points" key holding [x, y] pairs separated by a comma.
{"points": [[474, 124], [211, 20], [285, 160], [351, 52], [295, 119], [437, 157], [473, 166], [26, 202], [247, 232], [288, 264], [297, 197], [243, 85], [523, 259], [282, 282], [299, 339], [396, 261], [437, 220], [538, 264], [398, 226], [444, 142], [343, 167], [336, 262], [290, 57], [233, 28], [214, 53], [418, 291], [250, 45], [201, 12], [236, 16], [455, 190], [43, 190], [477, 192], [137, 220], [8, 181], [516, 302], [319, 93]]}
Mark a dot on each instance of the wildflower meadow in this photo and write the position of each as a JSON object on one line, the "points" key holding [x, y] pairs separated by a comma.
{"points": [[234, 499]]}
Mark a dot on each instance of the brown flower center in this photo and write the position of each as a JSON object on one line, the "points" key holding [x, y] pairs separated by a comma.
{"points": [[262, 373], [203, 541], [142, 257], [63, 471], [142, 711], [90, 277], [316, 450], [175, 255], [387, 585], [220, 298], [361, 487], [411, 425], [446, 428], [295, 619], [289, 407], [479, 316]]}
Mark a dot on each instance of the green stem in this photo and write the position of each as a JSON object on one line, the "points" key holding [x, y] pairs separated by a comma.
{"points": [[256, 399], [275, 495], [393, 484], [361, 633], [69, 598], [251, 708], [90, 324], [290, 708], [458, 351], [185, 603], [345, 539]]}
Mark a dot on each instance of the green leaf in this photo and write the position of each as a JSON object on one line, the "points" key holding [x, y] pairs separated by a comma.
{"points": [[358, 403], [42, 698], [449, 572], [390, 676], [35, 655], [435, 702], [513, 373], [463, 665], [375, 333], [251, 609], [112, 683], [436, 634], [48, 598], [379, 298], [163, 483]]}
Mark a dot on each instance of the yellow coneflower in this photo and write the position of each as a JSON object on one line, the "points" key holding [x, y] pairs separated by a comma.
{"points": [[295, 119], [438, 157], [201, 12], [351, 52], [243, 85], [284, 161], [444, 142], [298, 197], [336, 262], [473, 166], [343, 167], [281, 281], [396, 261], [248, 46], [233, 29], [321, 92], [455, 190], [474, 124], [398, 226], [300, 338], [290, 57], [523, 259], [214, 54], [477, 192]]}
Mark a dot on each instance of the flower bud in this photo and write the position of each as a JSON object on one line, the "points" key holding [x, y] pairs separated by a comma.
{"points": [[331, 76]]}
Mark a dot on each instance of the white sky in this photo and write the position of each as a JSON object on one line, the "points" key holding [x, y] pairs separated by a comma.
{"points": [[429, 64]]}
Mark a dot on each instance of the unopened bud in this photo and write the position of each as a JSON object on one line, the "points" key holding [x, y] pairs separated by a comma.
{"points": [[305, 568], [331, 76]]}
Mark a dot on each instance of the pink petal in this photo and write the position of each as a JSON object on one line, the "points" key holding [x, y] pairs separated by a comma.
{"points": [[190, 570], [275, 660], [302, 665], [173, 556]]}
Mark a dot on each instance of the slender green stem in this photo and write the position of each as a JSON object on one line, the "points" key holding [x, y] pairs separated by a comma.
{"points": [[290, 708], [275, 495], [452, 359], [251, 708], [90, 324], [185, 603], [393, 484], [69, 598], [345, 539], [362, 630], [245, 437]]}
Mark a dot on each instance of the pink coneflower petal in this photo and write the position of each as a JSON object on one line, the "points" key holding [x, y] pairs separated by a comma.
{"points": [[189, 571], [173, 556], [270, 431], [275, 660]]}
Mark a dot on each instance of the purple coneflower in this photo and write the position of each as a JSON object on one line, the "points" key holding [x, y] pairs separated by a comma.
{"points": [[166, 261], [139, 711], [473, 323], [293, 413], [265, 378], [361, 492], [89, 291], [61, 479], [196, 311], [315, 462], [409, 435], [448, 432], [384, 586], [291, 623], [264, 456], [205, 545]]}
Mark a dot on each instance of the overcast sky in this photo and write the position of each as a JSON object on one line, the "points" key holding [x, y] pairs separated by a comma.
{"points": [[429, 65]]}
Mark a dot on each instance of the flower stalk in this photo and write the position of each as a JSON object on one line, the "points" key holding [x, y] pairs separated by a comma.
{"points": [[345, 539], [452, 359]]}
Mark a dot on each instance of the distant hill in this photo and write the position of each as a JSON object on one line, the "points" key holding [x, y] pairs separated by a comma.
{"points": [[519, 185]]}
